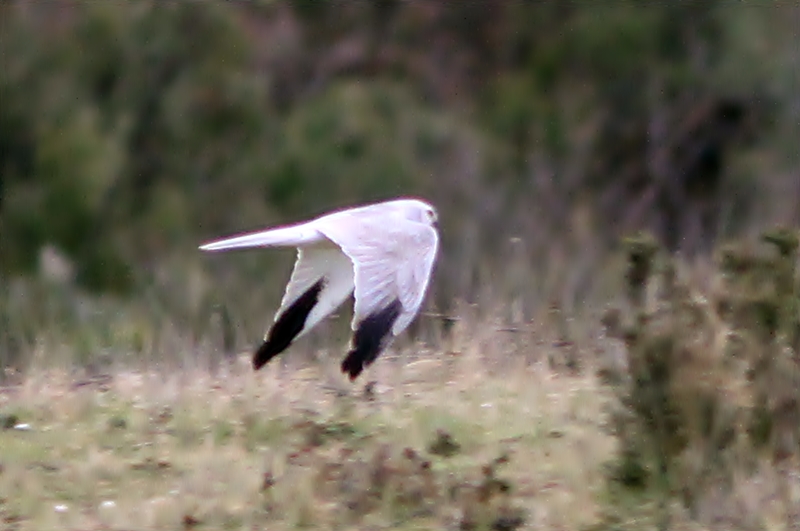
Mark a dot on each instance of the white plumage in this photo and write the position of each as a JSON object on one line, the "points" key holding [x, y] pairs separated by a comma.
{"points": [[382, 253]]}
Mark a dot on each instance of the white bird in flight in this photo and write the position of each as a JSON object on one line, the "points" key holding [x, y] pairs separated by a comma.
{"points": [[381, 253]]}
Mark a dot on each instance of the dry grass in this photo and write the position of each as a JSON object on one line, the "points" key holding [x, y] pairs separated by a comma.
{"points": [[683, 416], [437, 443]]}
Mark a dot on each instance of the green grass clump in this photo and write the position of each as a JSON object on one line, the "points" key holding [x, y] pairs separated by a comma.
{"points": [[709, 395]]}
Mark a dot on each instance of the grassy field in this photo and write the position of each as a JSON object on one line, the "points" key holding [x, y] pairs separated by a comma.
{"points": [[678, 409], [471, 437], [438, 443]]}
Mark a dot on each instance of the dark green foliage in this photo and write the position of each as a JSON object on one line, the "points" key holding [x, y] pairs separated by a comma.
{"points": [[444, 445], [8, 421], [117, 422], [712, 384], [351, 141], [130, 129], [641, 251], [126, 114], [630, 470]]}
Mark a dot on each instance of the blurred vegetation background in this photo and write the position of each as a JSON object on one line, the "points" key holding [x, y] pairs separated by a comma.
{"points": [[130, 132], [544, 131]]}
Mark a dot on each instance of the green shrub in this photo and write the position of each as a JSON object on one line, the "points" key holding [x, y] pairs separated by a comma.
{"points": [[711, 388]]}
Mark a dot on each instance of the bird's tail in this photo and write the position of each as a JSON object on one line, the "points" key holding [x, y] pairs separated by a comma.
{"points": [[291, 236]]}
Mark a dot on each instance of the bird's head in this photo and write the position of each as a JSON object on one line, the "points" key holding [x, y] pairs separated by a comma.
{"points": [[419, 211]]}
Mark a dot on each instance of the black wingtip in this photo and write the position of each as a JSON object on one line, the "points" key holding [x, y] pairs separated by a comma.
{"points": [[369, 339], [267, 351], [352, 366], [288, 325]]}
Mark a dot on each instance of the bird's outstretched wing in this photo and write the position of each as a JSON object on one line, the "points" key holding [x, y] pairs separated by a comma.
{"points": [[321, 280], [392, 261]]}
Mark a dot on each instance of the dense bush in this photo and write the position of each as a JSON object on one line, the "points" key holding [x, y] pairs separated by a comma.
{"points": [[708, 390]]}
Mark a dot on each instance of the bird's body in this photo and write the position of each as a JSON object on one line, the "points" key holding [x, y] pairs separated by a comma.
{"points": [[382, 253]]}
